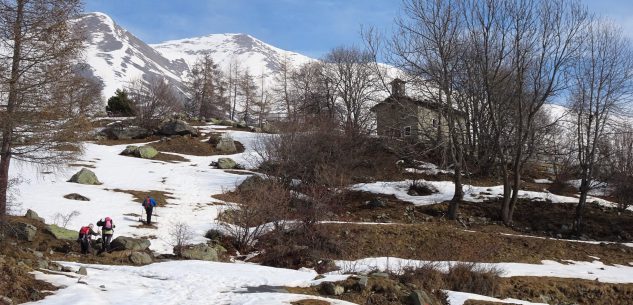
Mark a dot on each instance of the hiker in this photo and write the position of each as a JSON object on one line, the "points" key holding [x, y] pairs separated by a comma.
{"points": [[149, 203], [85, 237], [107, 230]]}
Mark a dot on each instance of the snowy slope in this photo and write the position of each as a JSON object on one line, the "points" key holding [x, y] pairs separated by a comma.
{"points": [[244, 50], [115, 56]]}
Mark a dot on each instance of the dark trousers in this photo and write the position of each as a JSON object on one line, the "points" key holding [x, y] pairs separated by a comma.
{"points": [[85, 244], [148, 212], [106, 239]]}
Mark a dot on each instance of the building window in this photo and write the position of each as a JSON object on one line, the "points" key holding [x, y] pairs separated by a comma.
{"points": [[434, 122], [407, 131]]}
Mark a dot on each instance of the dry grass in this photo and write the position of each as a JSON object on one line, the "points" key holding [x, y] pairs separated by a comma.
{"points": [[160, 196], [310, 302], [170, 158], [109, 142]]}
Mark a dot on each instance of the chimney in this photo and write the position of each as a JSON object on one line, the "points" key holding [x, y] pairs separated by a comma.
{"points": [[398, 88]]}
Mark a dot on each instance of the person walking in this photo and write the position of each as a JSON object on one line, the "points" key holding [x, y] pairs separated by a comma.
{"points": [[149, 203], [85, 237], [107, 230]]}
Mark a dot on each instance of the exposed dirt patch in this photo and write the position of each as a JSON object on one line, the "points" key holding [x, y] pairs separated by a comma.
{"points": [[310, 302], [160, 196], [109, 142], [81, 165], [190, 146], [444, 241], [170, 158]]}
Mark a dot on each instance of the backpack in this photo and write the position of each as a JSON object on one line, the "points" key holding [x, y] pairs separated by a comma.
{"points": [[84, 230], [147, 203], [108, 224]]}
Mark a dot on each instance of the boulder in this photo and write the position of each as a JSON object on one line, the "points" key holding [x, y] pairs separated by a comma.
{"points": [[117, 131], [62, 233], [251, 183], [129, 243], [30, 214], [226, 145], [78, 197], [226, 163], [147, 152], [203, 252], [140, 258], [375, 203], [177, 128], [85, 176], [215, 121], [330, 288], [227, 123], [25, 231], [82, 271], [6, 300]]}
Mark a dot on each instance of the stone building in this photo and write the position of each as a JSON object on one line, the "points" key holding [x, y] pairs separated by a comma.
{"points": [[403, 117]]}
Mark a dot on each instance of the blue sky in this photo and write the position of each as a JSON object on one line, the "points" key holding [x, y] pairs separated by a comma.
{"points": [[311, 27]]}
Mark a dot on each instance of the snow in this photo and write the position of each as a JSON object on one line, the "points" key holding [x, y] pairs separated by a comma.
{"points": [[459, 298], [190, 183], [595, 270], [446, 190], [180, 282]]}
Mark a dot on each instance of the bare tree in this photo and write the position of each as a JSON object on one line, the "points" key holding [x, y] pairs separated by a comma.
{"points": [[205, 88], [350, 72], [601, 85], [38, 51], [153, 100], [248, 94]]}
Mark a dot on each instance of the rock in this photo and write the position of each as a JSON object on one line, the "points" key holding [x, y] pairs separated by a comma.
{"points": [[25, 231], [62, 233], [147, 152], [55, 266], [269, 128], [82, 271], [380, 274], [241, 124], [363, 281], [130, 150], [215, 121], [251, 183], [226, 163], [226, 145], [30, 214], [227, 123], [140, 258], [117, 131], [330, 288], [42, 264], [66, 269], [85, 176], [203, 252], [78, 197], [128, 243], [5, 300], [420, 297], [375, 203], [177, 128]]}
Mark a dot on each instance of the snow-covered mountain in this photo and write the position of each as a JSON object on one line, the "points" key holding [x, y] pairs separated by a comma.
{"points": [[115, 56], [228, 50]]}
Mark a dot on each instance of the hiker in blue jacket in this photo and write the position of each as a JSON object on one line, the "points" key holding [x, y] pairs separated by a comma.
{"points": [[149, 203]]}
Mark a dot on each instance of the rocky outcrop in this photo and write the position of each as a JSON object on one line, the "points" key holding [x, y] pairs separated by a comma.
{"points": [[117, 131], [75, 196], [226, 163], [128, 243], [226, 145], [85, 176], [30, 214], [144, 152], [25, 231], [203, 252], [140, 258], [177, 128], [62, 233]]}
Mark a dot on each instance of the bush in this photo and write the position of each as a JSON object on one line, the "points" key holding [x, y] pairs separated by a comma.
{"points": [[120, 104], [180, 236], [421, 188], [298, 248], [464, 277]]}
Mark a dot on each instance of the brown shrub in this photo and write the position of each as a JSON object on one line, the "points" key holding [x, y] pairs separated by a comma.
{"points": [[465, 277]]}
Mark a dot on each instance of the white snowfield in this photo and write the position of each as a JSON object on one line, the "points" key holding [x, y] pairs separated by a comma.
{"points": [[190, 183], [595, 271], [181, 283]]}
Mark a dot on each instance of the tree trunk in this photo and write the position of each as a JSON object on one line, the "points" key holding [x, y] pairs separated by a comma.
{"points": [[580, 208], [459, 193], [5, 158], [505, 204]]}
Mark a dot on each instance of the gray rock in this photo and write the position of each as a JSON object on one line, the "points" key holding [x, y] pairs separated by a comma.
{"points": [[62, 233], [140, 258], [227, 123], [85, 176], [362, 282], [78, 197], [226, 163], [25, 231], [117, 131], [30, 214], [203, 252], [66, 269], [147, 152], [330, 288], [130, 150], [375, 203], [251, 183], [128, 243], [82, 271], [42, 264], [226, 145], [55, 266], [177, 128]]}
